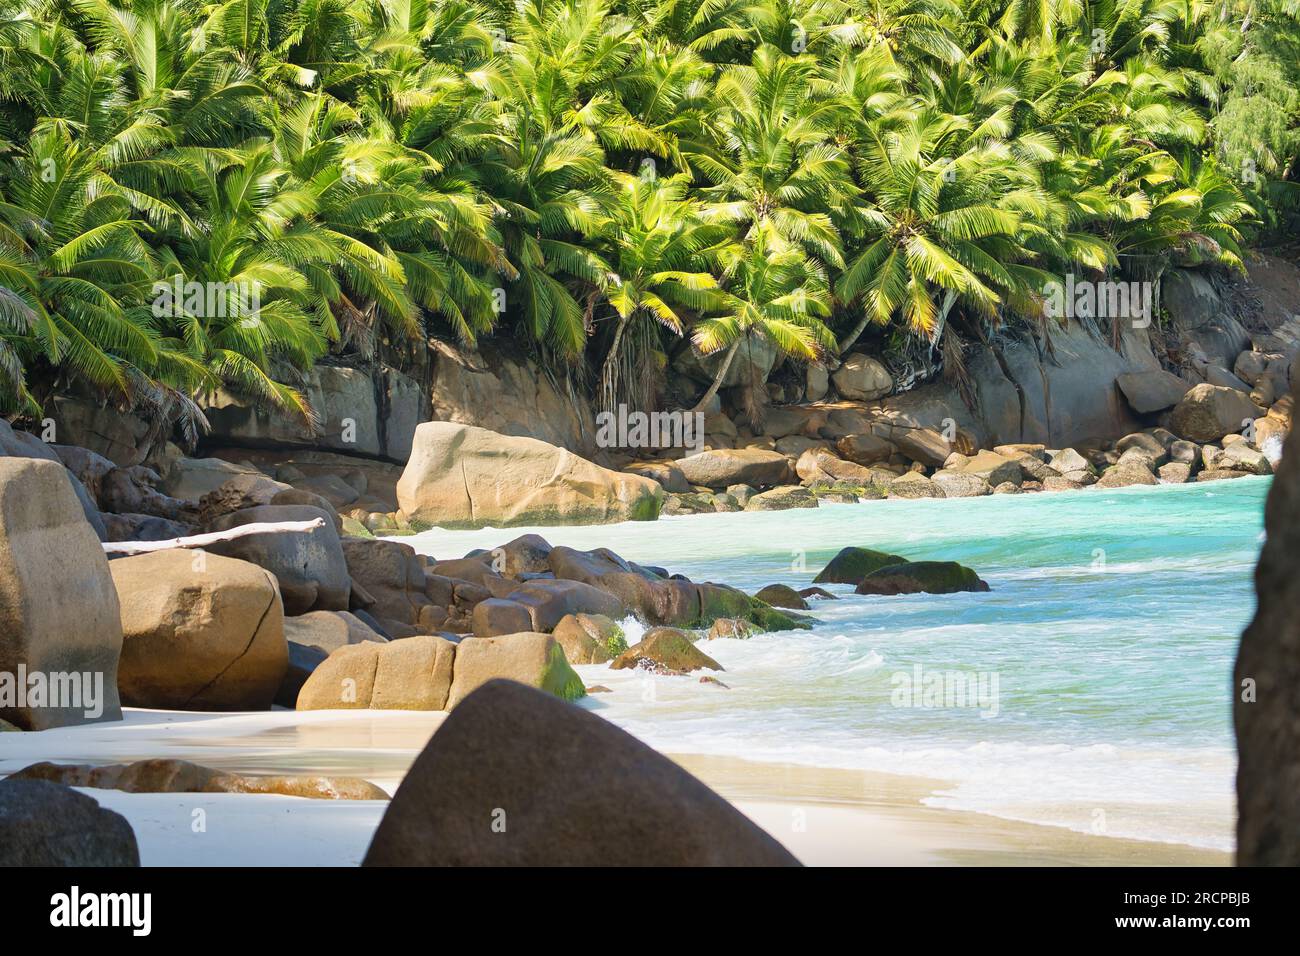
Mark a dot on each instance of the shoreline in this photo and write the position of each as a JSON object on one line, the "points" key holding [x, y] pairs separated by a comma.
{"points": [[825, 816], [865, 818]]}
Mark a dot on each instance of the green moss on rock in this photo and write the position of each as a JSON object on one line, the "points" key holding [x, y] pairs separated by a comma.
{"points": [[770, 619], [918, 577], [559, 678], [851, 565]]}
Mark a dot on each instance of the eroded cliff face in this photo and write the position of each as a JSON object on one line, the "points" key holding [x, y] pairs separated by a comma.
{"points": [[512, 395], [1026, 392]]}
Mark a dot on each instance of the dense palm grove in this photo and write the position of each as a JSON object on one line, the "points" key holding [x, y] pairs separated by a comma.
{"points": [[598, 179]]}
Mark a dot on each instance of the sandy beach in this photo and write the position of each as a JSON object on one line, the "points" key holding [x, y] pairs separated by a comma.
{"points": [[826, 817]]}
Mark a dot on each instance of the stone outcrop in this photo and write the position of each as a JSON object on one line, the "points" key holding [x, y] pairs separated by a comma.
{"points": [[509, 394], [516, 777], [414, 673], [528, 658], [1208, 412], [589, 638], [309, 566], [1151, 390], [201, 632], [727, 466], [459, 476], [391, 573], [852, 564], [916, 577], [665, 649], [360, 412], [312, 637], [59, 612], [862, 378]]}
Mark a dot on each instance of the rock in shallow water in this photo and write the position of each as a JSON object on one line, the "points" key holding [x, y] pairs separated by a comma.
{"points": [[517, 778], [782, 595], [589, 638], [851, 565], [666, 647], [916, 577]]}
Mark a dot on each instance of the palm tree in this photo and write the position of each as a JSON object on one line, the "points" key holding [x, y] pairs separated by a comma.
{"points": [[773, 291], [660, 251], [947, 219], [775, 162]]}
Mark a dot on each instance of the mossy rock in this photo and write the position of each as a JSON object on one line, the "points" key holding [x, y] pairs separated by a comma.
{"points": [[922, 577], [782, 595], [721, 600], [782, 499], [769, 618], [732, 628], [354, 528], [559, 678], [667, 647], [851, 565], [589, 638]]}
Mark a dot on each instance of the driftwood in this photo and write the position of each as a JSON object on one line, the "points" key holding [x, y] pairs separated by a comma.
{"points": [[199, 540]]}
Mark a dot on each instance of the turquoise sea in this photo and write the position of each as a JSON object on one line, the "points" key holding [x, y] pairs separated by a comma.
{"points": [[1098, 666]]}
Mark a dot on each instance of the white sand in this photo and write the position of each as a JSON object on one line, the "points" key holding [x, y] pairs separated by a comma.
{"points": [[825, 817]]}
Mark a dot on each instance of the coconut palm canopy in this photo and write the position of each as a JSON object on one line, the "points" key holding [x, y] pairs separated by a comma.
{"points": [[601, 179]]}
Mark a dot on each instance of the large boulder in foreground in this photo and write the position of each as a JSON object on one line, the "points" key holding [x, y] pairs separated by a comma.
{"points": [[201, 632], [1266, 709], [414, 673], [515, 777], [59, 611], [45, 824], [851, 565], [922, 577], [460, 476], [1208, 412], [309, 565], [528, 658]]}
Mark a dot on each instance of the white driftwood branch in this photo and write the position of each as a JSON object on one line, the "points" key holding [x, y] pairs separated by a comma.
{"points": [[199, 540]]}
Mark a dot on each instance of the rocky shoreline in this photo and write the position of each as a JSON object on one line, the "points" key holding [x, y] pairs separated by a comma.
{"points": [[315, 618], [341, 614]]}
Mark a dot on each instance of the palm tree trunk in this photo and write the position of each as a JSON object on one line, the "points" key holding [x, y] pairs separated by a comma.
{"points": [[852, 337], [718, 377], [608, 381]]}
